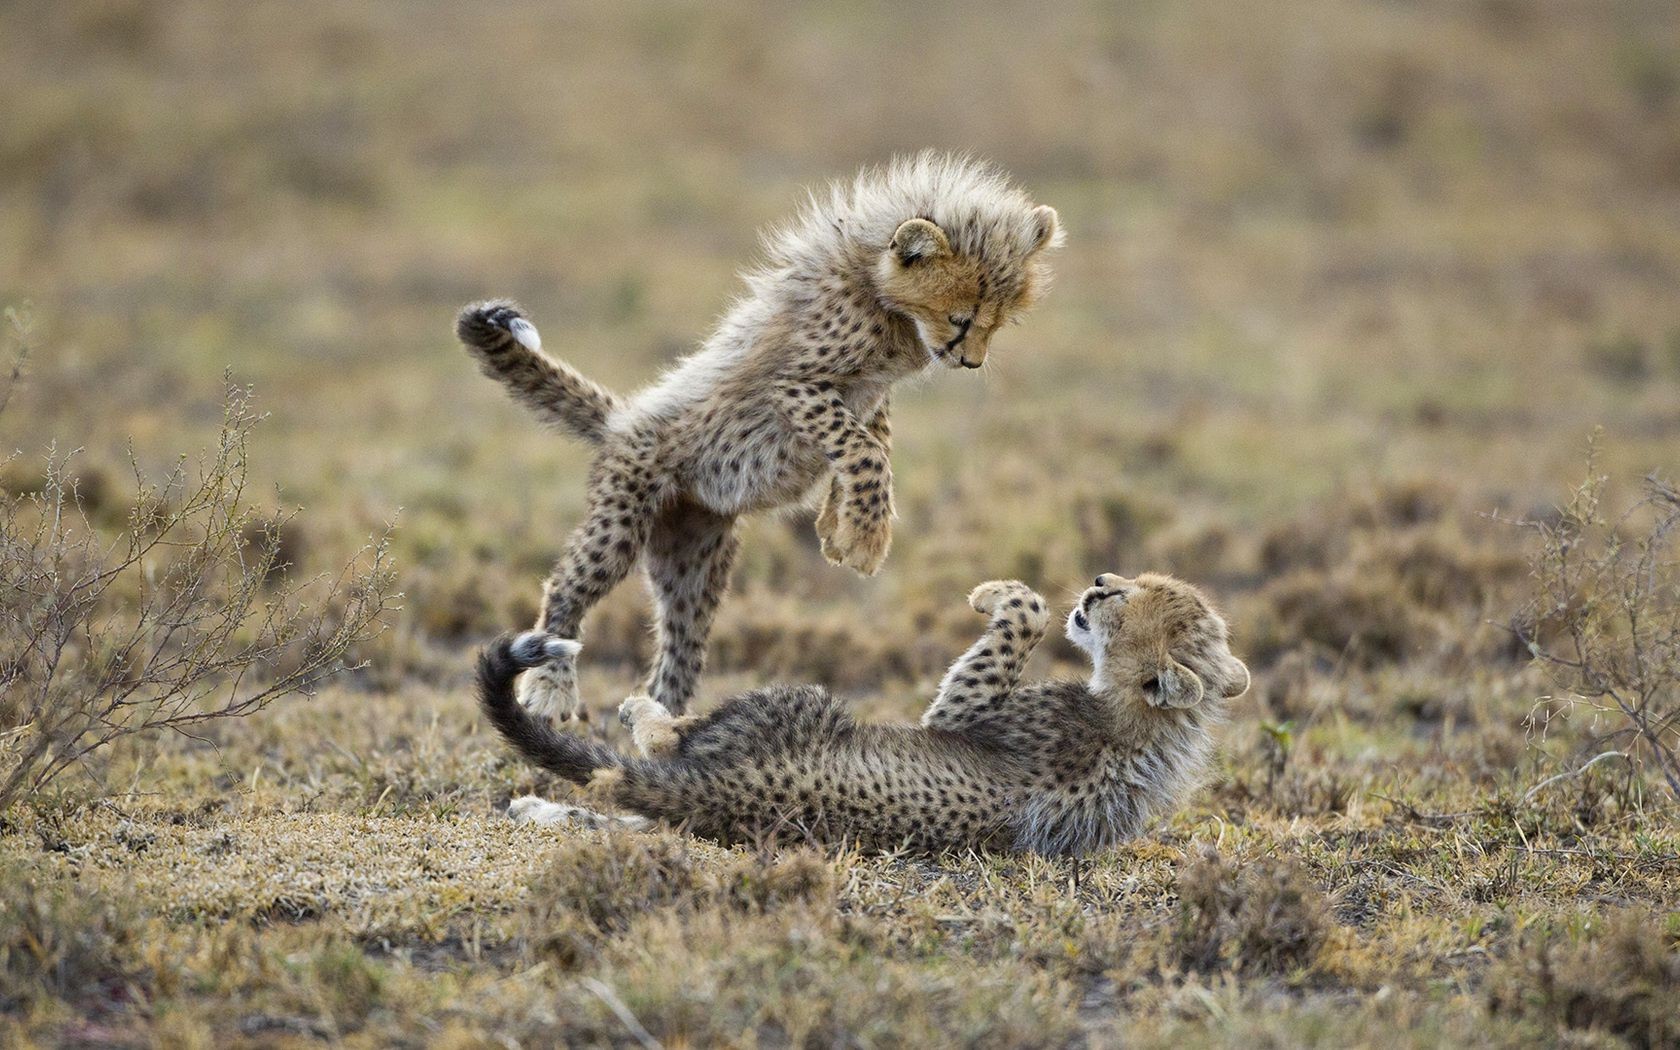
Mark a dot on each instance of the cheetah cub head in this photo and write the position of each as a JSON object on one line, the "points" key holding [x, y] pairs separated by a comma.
{"points": [[960, 286], [1157, 640]]}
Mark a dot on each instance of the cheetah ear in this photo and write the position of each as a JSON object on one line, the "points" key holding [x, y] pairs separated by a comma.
{"points": [[1220, 672], [1233, 678], [1044, 229], [918, 239], [1173, 685]]}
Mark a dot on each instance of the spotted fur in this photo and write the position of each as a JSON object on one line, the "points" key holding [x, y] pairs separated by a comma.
{"points": [[906, 267], [1056, 767]]}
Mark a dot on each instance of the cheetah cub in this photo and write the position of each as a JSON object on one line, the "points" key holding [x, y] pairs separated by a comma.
{"points": [[906, 268], [1056, 767]]}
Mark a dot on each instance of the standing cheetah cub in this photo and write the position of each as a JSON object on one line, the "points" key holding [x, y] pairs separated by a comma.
{"points": [[910, 266], [1053, 767]]}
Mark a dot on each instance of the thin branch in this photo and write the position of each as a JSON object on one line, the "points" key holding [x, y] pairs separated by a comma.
{"points": [[1571, 774]]}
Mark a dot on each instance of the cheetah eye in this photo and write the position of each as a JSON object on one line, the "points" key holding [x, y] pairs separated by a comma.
{"points": [[958, 321]]}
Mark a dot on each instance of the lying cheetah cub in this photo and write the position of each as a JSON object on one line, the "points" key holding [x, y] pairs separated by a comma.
{"points": [[1053, 767], [908, 267]]}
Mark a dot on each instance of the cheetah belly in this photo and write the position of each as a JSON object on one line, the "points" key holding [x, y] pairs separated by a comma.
{"points": [[751, 463], [871, 796]]}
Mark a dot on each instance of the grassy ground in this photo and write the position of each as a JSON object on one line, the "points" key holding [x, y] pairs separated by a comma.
{"points": [[1342, 281]]}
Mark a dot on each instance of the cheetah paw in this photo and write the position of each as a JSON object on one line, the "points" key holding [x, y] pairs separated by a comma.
{"points": [[1010, 598], [548, 688], [533, 810], [529, 809], [483, 325], [654, 729], [861, 548]]}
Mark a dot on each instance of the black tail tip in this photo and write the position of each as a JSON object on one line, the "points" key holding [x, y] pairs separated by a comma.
{"points": [[499, 661], [507, 655]]}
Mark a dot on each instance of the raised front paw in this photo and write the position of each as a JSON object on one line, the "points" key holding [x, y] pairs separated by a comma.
{"points": [[1011, 599], [859, 544], [486, 324]]}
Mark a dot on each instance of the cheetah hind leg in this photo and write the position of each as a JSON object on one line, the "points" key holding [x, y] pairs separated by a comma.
{"points": [[655, 731], [548, 688]]}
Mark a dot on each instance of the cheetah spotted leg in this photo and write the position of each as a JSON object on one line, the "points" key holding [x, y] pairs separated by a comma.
{"points": [[625, 492], [989, 672], [862, 531], [828, 517], [689, 556]]}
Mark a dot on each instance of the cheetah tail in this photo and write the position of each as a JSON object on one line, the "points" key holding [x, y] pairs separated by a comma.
{"points": [[570, 756], [509, 350]]}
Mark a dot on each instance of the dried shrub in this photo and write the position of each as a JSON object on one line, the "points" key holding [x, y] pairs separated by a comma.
{"points": [[456, 609], [762, 883], [1112, 527], [59, 944], [1260, 918], [1202, 552], [776, 637], [1400, 504], [1604, 620], [1625, 980], [1348, 614], [608, 881], [184, 614], [1385, 578], [595, 888]]}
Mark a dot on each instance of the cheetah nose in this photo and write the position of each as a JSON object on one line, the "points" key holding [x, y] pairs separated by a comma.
{"points": [[966, 363]]}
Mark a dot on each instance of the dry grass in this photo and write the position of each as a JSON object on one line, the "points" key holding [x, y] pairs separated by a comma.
{"points": [[1342, 282]]}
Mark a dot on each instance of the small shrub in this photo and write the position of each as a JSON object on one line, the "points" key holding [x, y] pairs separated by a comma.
{"points": [[59, 944], [1363, 618], [595, 888], [1261, 918], [775, 637], [761, 883], [1113, 527], [1604, 619], [609, 880], [185, 614], [1622, 358], [1625, 981], [1381, 581], [1401, 504]]}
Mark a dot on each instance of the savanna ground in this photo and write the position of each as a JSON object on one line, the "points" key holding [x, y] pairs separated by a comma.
{"points": [[1347, 287]]}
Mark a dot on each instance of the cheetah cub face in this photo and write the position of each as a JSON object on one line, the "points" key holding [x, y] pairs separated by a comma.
{"points": [[1155, 640], [956, 299]]}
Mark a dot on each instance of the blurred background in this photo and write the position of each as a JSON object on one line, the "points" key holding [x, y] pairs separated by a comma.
{"points": [[1321, 258]]}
